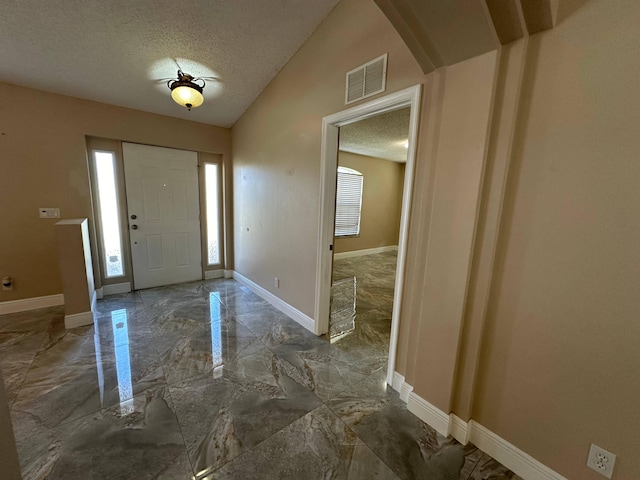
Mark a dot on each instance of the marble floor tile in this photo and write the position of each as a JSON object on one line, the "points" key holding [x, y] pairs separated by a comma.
{"points": [[205, 348], [271, 325], [80, 371], [209, 375], [317, 446], [242, 301], [410, 447], [324, 370], [141, 439], [131, 302], [63, 382], [489, 469], [14, 372], [25, 331], [238, 407], [167, 297], [21, 336]]}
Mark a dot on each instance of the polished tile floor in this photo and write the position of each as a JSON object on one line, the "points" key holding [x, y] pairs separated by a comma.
{"points": [[208, 381]]}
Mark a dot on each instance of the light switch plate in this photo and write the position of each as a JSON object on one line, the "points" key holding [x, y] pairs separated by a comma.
{"points": [[49, 212]]}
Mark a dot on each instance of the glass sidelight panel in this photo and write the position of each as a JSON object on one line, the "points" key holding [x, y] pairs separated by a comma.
{"points": [[105, 168], [212, 188]]}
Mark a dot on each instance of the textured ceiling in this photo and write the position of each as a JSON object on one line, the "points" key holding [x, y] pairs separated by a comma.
{"points": [[116, 51], [383, 136]]}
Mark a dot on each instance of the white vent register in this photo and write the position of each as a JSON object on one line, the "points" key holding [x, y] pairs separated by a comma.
{"points": [[366, 80]]}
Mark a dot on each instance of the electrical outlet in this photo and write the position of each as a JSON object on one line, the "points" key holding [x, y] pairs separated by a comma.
{"points": [[601, 461], [276, 282]]}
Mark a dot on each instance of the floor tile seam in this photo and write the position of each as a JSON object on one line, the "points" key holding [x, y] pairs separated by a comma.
{"points": [[66, 421], [175, 413], [209, 472], [26, 373], [236, 319], [183, 380], [108, 406], [282, 359], [470, 477], [477, 464], [365, 443]]}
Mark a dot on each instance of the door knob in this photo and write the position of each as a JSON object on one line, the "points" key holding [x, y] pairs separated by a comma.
{"points": [[134, 227], [133, 217]]}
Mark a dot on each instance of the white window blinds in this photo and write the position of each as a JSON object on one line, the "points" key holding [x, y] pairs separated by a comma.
{"points": [[348, 202]]}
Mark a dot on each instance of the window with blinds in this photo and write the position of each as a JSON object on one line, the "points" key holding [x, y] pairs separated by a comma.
{"points": [[348, 202]]}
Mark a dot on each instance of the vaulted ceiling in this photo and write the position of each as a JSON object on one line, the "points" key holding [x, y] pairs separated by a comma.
{"points": [[122, 52]]}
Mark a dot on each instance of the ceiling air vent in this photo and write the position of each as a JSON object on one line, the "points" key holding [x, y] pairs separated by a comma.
{"points": [[366, 80]]}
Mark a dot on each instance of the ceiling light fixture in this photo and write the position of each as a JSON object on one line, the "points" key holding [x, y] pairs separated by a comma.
{"points": [[185, 91]]}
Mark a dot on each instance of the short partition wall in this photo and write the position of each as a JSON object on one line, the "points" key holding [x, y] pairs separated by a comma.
{"points": [[76, 270]]}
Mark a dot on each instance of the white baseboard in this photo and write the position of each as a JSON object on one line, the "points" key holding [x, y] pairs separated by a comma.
{"points": [[509, 455], [23, 305], [366, 251], [458, 429], [398, 381], [504, 452], [402, 387], [228, 274], [213, 274], [405, 391], [78, 320], [116, 288], [303, 319], [429, 414]]}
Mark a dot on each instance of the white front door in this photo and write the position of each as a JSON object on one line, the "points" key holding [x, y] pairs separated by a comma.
{"points": [[163, 213]]}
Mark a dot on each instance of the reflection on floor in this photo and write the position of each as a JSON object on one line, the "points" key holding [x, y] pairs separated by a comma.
{"points": [[362, 296], [206, 380]]}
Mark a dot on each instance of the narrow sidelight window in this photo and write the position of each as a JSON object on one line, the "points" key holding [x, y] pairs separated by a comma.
{"points": [[111, 235], [212, 188]]}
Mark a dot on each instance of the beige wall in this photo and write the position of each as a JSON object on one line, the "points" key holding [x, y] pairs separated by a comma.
{"points": [[560, 365], [381, 202], [277, 147], [507, 100], [43, 164], [460, 158]]}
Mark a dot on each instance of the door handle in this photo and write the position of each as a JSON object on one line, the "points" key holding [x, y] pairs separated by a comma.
{"points": [[134, 227], [133, 217]]}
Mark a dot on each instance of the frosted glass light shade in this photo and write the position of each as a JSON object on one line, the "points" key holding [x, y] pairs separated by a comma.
{"points": [[187, 96]]}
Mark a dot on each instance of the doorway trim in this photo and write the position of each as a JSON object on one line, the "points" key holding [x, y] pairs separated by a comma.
{"points": [[409, 97]]}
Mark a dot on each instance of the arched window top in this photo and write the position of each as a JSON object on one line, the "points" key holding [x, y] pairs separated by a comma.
{"points": [[348, 170]]}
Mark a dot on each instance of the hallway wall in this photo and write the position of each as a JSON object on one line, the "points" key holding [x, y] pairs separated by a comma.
{"points": [[560, 357], [276, 147]]}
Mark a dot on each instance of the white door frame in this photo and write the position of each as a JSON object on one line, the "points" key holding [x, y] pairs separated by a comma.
{"points": [[409, 97]]}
